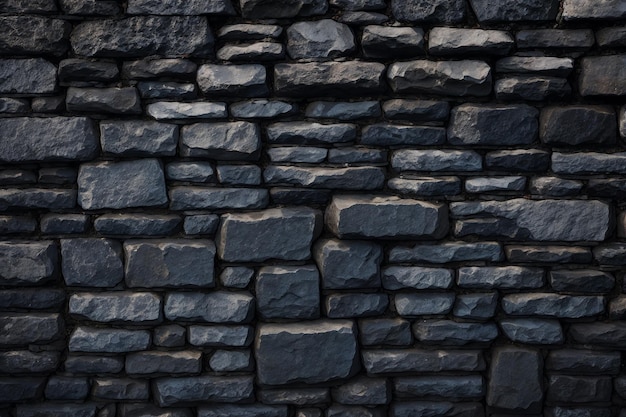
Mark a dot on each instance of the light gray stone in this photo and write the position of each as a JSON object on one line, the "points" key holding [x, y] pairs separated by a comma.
{"points": [[553, 305], [170, 335], [189, 198], [259, 9], [214, 307], [589, 163], [436, 160], [588, 10], [34, 6], [415, 186], [241, 80], [225, 141], [27, 76], [353, 178], [168, 110], [17, 105], [452, 41], [239, 174], [297, 154], [166, 89], [27, 263], [533, 331], [236, 276], [119, 306], [448, 252], [261, 108], [91, 339], [524, 10], [306, 133], [422, 304], [138, 138], [221, 336], [288, 292], [152, 67], [348, 264], [416, 277], [190, 390], [189, 171], [555, 187], [421, 11], [193, 7], [91, 262], [319, 39], [486, 184], [113, 100]]}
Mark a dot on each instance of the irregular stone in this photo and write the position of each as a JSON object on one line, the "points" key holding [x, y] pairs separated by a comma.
{"points": [[319, 39], [35, 6], [189, 390], [357, 156], [166, 110], [532, 88], [225, 141], [280, 233], [37, 198], [533, 331], [21, 389], [305, 133], [519, 160], [553, 254], [610, 254], [334, 79], [425, 186], [86, 71], [555, 187], [396, 42], [90, 7], [243, 410], [16, 105], [573, 39], [289, 353], [524, 11], [476, 305], [33, 35], [582, 281], [610, 187], [353, 178], [90, 364], [169, 335], [611, 37], [118, 306], [120, 389], [32, 298], [452, 333], [579, 389], [354, 411], [189, 171], [299, 397], [617, 308], [186, 198], [288, 292], [27, 76], [401, 277], [343, 110], [194, 7], [17, 224], [361, 216], [153, 362], [57, 410], [416, 110], [48, 139], [586, 124], [599, 333], [363, 391], [27, 263], [236, 276], [394, 361], [524, 392], [348, 264], [65, 388], [298, 154], [452, 41], [603, 75], [136, 224], [393, 332], [355, 305], [101, 340], [486, 184], [440, 386], [588, 163], [453, 78], [438, 408], [154, 67], [422, 304], [420, 11], [435, 160], [553, 305], [384, 134], [230, 361], [142, 36], [586, 362], [58, 175], [586, 10], [105, 100], [138, 183], [447, 252], [239, 174], [358, 4], [241, 80], [261, 108], [544, 220], [540, 65], [91, 262], [169, 263], [24, 361], [221, 336], [158, 90], [248, 31], [258, 9], [504, 277], [138, 138]]}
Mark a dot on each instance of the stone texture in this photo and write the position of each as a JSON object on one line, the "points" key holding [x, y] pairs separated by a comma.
{"points": [[585, 124], [440, 386], [91, 262], [246, 80], [31, 298], [258, 9], [436, 160], [450, 41], [26, 328], [363, 391], [438, 408], [579, 389], [533, 331], [201, 224], [414, 305], [343, 110], [585, 10], [452, 333], [476, 305], [154, 67], [214, 307], [119, 306], [319, 39], [90, 7], [27, 263], [603, 76], [224, 141], [136, 224], [120, 389], [504, 277], [552, 305], [198, 172], [355, 305], [525, 10], [357, 178], [447, 252], [33, 35], [532, 88], [588, 163], [186, 198], [138, 138], [91, 339], [261, 108], [581, 281], [305, 133], [392, 42], [27, 76], [416, 110], [164, 90], [220, 336], [383, 134], [584, 361], [85, 72], [420, 11], [60, 410], [186, 390], [415, 186], [394, 361], [228, 361], [401, 277], [571, 39], [243, 410], [288, 292], [33, 198], [392, 332], [259, 51], [551, 66], [556, 254], [167, 110], [348, 264], [196, 7]]}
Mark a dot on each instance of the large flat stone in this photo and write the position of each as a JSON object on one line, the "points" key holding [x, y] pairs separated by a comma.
{"points": [[27, 263], [114, 100], [603, 76], [319, 39], [91, 339], [33, 35], [395, 361], [190, 390], [138, 138], [27, 328], [352, 178], [576, 125], [288, 292], [224, 141], [518, 11], [214, 307], [91, 262], [452, 41], [422, 11], [27, 76], [118, 306], [246, 80], [435, 160]]}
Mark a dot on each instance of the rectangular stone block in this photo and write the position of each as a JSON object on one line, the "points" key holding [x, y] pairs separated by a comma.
{"points": [[466, 387], [587, 362], [603, 75], [138, 138], [27, 263], [393, 361], [157, 362], [113, 100], [214, 307], [222, 141], [193, 198], [27, 76], [243, 410], [353, 178], [246, 80], [33, 35], [189, 390], [448, 252], [184, 7], [120, 389], [310, 133], [37, 198], [91, 339], [119, 306], [453, 333], [27, 328], [553, 305], [288, 292], [435, 160], [503, 277], [221, 336]]}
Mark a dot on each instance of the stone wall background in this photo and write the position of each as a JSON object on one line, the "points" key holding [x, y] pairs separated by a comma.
{"points": [[306, 208]]}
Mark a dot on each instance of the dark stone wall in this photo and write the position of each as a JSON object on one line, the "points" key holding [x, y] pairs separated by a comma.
{"points": [[306, 208]]}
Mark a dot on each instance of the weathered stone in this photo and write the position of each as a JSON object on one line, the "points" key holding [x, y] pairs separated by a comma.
{"points": [[369, 216], [224, 141], [17, 224], [363, 391], [244, 410], [553, 254], [515, 380], [486, 184], [532, 88], [603, 76], [242, 80], [168, 110], [221, 336], [422, 304], [348, 264], [169, 335], [58, 175], [299, 154], [90, 7], [587, 10], [416, 110], [451, 41], [425, 186], [186, 198], [452, 333], [525, 10], [505, 277], [357, 156], [49, 139], [606, 187], [33, 6], [555, 187], [136, 224], [14, 389], [116, 185], [149, 410], [142, 36], [581, 281], [189, 171], [261, 108], [91, 339], [33, 35], [138, 138], [577, 412], [572, 39], [319, 39], [193, 7], [201, 224], [476, 305], [66, 388], [90, 364], [305, 133], [392, 42], [553, 305], [85, 72], [440, 386], [27, 76], [588, 163], [24, 361], [18, 105], [214, 307], [617, 308], [289, 353], [159, 90], [436, 408], [611, 37], [584, 362], [299, 196], [413, 360], [363, 18], [288, 292], [393, 332], [258, 9], [230, 361], [42, 198], [154, 67], [239, 174], [27, 263], [355, 305], [544, 220], [354, 178], [32, 298], [91, 262], [105, 100], [120, 389], [384, 134], [358, 4], [169, 263], [540, 65], [188, 390], [153, 362], [354, 411], [610, 254], [401, 277], [622, 122], [436, 160], [579, 389], [297, 396], [280, 233], [328, 79], [453, 78], [598, 333], [519, 160], [343, 110], [57, 410], [119, 306], [421, 11], [585, 124], [533, 331], [447, 252], [236, 276]]}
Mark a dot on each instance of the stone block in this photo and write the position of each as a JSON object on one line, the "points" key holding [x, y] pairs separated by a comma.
{"points": [[319, 39], [103, 340], [189, 390], [138, 138], [34, 35], [452, 41], [27, 263], [395, 361], [157, 362], [26, 328], [114, 100], [392, 42], [119, 306], [438, 11], [27, 76], [213, 307], [347, 305], [352, 178], [223, 141], [288, 292], [221, 336], [91, 262]]}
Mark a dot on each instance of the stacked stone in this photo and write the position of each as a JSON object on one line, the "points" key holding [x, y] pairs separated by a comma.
{"points": [[312, 208]]}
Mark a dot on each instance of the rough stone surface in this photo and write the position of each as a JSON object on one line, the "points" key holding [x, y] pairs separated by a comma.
{"points": [[393, 361], [91, 262], [138, 138], [449, 41], [27, 76], [447, 252], [533, 331], [116, 100], [185, 390], [420, 11], [436, 160], [594, 125], [33, 35], [603, 76], [355, 305], [242, 80], [525, 10], [91, 339], [506, 277], [259, 9], [214, 307], [452, 333], [319, 39], [348, 264], [552, 305], [585, 10], [226, 141], [357, 178], [179, 7], [184, 198], [310, 133], [29, 263], [167, 110], [391, 42], [133, 307]]}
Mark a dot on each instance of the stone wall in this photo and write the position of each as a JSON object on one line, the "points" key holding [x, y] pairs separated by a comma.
{"points": [[304, 208]]}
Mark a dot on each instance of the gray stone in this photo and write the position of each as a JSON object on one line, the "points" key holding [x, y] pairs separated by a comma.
{"points": [[518, 160], [17, 224], [348, 264], [299, 196], [476, 305], [201, 224], [588, 10], [221, 336], [363, 18], [581, 281], [90, 364], [539, 65], [533, 331], [622, 122], [426, 186], [415, 277], [91, 262], [555, 254], [423, 304], [169, 263], [101, 340], [239, 174], [142, 36], [572, 39], [447, 252], [154, 362], [436, 160], [579, 389], [32, 298], [452, 41], [357, 156], [302, 154], [169, 335], [24, 361], [189, 390], [524, 11], [289, 353], [606, 187], [259, 9], [594, 125], [49, 139], [306, 133], [224, 141], [392, 42], [472, 124], [343, 110], [353, 178], [544, 220], [58, 175], [261, 108], [358, 4], [617, 308], [90, 7], [154, 67], [42, 198], [354, 411], [532, 88], [185, 198], [555, 187], [436, 408], [148, 410], [21, 6], [465, 387], [363, 391], [347, 305], [515, 380], [352, 216], [85, 72], [611, 37], [214, 307], [248, 31], [486, 184], [236, 276], [230, 361], [103, 100], [586, 362], [599, 333], [17, 105], [577, 412], [328, 79], [118, 306], [136, 224], [610, 254], [259, 51], [452, 333], [138, 138], [243, 410], [27, 263], [392, 332], [21, 389], [159, 90], [193, 7], [66, 388], [385, 134], [416, 110], [552, 305], [279, 233], [167, 110], [420, 11], [603, 76], [453, 78], [288, 292], [500, 277], [394, 361], [27, 76], [297, 396], [57, 410], [319, 39], [33, 35], [138, 183], [241, 80], [120, 389]]}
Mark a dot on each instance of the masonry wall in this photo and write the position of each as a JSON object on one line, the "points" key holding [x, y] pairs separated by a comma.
{"points": [[307, 208]]}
